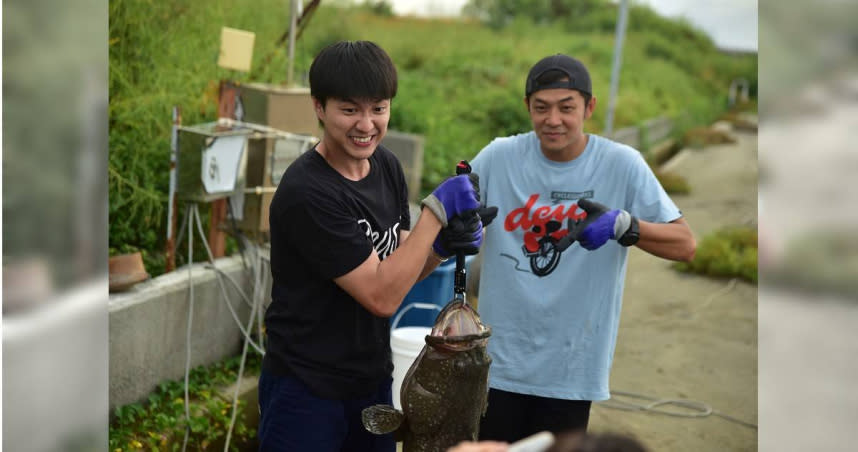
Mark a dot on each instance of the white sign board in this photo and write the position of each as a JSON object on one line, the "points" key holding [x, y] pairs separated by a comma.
{"points": [[222, 164]]}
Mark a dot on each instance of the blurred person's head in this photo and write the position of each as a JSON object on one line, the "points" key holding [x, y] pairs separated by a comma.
{"points": [[595, 442], [559, 97]]}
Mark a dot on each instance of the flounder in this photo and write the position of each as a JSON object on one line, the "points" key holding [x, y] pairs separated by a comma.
{"points": [[444, 392]]}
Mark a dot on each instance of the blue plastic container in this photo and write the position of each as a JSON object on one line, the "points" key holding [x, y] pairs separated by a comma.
{"points": [[436, 289]]}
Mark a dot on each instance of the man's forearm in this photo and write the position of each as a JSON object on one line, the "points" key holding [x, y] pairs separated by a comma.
{"points": [[673, 240], [380, 286]]}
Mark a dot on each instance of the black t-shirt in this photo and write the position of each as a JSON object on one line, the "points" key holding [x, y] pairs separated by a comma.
{"points": [[323, 226]]}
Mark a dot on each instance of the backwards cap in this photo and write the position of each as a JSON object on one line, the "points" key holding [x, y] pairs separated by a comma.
{"points": [[579, 78]]}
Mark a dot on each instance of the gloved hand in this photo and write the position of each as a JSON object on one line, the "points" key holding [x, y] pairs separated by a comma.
{"points": [[487, 214], [454, 196], [601, 224], [463, 233]]}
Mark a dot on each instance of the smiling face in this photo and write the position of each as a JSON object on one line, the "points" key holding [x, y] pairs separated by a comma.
{"points": [[558, 117], [352, 84], [353, 128]]}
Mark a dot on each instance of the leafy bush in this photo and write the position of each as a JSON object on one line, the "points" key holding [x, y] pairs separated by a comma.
{"points": [[673, 183], [699, 137], [499, 13], [644, 19], [160, 423], [729, 252], [602, 19], [381, 8], [506, 114]]}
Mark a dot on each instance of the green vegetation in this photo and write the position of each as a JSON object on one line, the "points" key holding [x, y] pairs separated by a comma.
{"points": [[160, 424], [461, 81], [672, 182], [729, 253]]}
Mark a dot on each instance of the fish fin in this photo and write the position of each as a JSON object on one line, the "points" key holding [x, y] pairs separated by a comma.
{"points": [[382, 419]]}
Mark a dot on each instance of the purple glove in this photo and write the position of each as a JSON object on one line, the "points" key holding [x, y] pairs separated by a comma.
{"points": [[600, 224], [463, 233], [454, 196]]}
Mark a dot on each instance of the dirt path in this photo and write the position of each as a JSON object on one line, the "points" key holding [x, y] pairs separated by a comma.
{"points": [[692, 337]]}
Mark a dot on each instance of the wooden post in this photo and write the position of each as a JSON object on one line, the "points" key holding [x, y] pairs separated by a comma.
{"points": [[228, 91], [217, 237]]}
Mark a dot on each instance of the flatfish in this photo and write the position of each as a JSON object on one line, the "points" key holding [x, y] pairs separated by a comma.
{"points": [[444, 392]]}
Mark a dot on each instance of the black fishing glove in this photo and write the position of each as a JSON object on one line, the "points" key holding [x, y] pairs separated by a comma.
{"points": [[487, 214], [463, 233]]}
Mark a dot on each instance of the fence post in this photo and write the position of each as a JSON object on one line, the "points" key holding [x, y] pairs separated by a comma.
{"points": [[615, 70]]}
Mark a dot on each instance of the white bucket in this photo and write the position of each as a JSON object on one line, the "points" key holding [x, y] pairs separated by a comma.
{"points": [[405, 345]]}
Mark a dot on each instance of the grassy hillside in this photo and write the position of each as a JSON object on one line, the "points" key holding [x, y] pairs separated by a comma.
{"points": [[461, 82]]}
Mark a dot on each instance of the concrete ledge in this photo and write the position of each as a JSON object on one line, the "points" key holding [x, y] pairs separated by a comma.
{"points": [[148, 327]]}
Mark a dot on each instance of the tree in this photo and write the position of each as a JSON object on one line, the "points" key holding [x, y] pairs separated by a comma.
{"points": [[498, 13]]}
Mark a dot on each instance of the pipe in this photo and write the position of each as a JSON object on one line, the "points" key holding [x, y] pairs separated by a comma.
{"points": [[171, 198]]}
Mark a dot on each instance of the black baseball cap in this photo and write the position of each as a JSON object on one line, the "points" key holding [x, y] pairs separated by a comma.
{"points": [[579, 78]]}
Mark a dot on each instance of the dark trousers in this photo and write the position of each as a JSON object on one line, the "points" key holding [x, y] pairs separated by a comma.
{"points": [[292, 419], [511, 416]]}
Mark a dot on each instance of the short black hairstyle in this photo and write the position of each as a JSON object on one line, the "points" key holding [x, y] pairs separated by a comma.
{"points": [[352, 70]]}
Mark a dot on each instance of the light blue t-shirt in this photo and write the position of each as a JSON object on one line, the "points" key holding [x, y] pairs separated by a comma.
{"points": [[554, 315]]}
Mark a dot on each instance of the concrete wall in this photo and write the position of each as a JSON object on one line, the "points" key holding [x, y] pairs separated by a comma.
{"points": [[148, 327], [654, 130], [408, 148]]}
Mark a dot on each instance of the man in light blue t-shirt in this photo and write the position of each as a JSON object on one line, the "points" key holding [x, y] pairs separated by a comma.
{"points": [[554, 262]]}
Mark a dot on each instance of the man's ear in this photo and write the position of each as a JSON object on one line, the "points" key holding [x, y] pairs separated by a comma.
{"points": [[591, 107], [318, 108], [527, 103]]}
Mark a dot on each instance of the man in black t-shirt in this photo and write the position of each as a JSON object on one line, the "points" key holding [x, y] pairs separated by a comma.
{"points": [[343, 257]]}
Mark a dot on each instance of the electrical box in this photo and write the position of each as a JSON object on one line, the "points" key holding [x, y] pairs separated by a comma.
{"points": [[267, 159], [288, 109], [409, 150], [239, 160], [211, 161]]}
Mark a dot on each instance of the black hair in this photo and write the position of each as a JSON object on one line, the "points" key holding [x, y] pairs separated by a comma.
{"points": [[552, 76], [352, 70]]}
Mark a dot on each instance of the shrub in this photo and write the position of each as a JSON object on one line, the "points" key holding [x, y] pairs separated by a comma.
{"points": [[160, 422], [673, 183], [699, 137], [728, 253]]}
